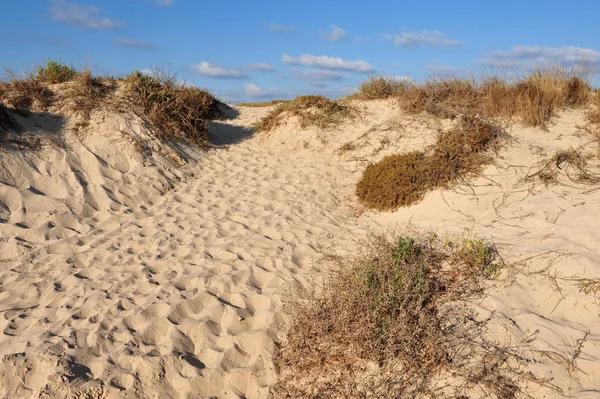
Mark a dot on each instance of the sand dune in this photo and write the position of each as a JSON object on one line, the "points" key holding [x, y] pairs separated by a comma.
{"points": [[130, 276]]}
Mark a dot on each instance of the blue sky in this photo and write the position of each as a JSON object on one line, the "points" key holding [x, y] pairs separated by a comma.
{"points": [[260, 50]]}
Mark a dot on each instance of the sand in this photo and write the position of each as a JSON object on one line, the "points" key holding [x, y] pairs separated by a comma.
{"points": [[170, 275]]}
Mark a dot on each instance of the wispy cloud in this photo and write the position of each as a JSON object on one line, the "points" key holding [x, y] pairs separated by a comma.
{"points": [[252, 90], [326, 62], [259, 67], [165, 2], [316, 76], [336, 34], [80, 16], [540, 56], [214, 71], [360, 39], [133, 43], [280, 28], [442, 70], [422, 39]]}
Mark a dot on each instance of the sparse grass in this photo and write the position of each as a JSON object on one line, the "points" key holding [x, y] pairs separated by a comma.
{"points": [[316, 111], [572, 163], [177, 112], [391, 307], [262, 104], [403, 179], [378, 87], [54, 72]]}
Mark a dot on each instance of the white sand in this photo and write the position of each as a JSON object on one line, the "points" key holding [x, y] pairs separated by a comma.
{"points": [[124, 276]]}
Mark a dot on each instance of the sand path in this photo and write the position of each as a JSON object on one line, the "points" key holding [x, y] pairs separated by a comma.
{"points": [[181, 297]]}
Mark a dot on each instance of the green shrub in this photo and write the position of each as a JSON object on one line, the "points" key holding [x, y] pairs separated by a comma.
{"points": [[55, 72]]}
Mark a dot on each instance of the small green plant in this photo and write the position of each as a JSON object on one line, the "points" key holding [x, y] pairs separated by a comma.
{"points": [[54, 72], [399, 318]]}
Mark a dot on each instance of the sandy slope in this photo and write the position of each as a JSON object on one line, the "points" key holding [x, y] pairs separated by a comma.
{"points": [[127, 277]]}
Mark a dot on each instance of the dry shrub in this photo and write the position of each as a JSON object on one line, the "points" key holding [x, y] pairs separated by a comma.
{"points": [[177, 112], [379, 87], [594, 113], [54, 72], [392, 307], [534, 97], [262, 104], [316, 111], [25, 94], [571, 163], [403, 179], [86, 93]]}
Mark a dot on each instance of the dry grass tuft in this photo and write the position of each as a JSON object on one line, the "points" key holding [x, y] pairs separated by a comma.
{"points": [[25, 94], [594, 114], [177, 112], [87, 93], [54, 72], [378, 87], [316, 111], [403, 179], [571, 163], [389, 310]]}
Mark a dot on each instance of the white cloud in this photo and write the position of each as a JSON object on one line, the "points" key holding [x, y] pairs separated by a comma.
{"points": [[165, 2], [259, 67], [337, 34], [252, 90], [540, 56], [326, 62], [215, 71], [318, 75], [360, 39], [422, 39], [280, 28], [80, 16], [132, 43]]}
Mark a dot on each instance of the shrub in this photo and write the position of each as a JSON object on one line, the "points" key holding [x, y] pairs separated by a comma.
{"points": [[594, 114], [86, 94], [379, 87], [262, 104], [390, 306], [403, 179], [24, 94], [316, 111], [534, 97], [54, 72], [176, 111]]}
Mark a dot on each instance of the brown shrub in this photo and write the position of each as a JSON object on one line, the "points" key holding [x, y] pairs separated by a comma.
{"points": [[403, 179], [534, 97], [594, 114], [261, 104], [389, 306], [177, 111], [316, 111]]}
